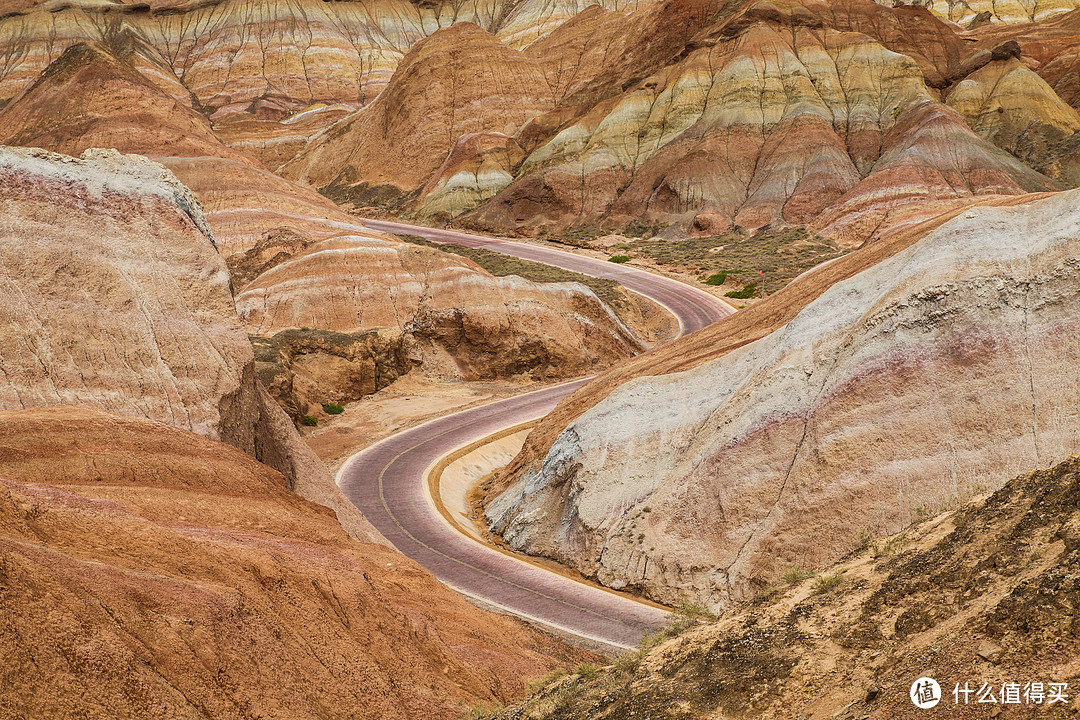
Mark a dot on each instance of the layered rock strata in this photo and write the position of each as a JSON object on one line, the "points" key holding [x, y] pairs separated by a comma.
{"points": [[458, 81], [771, 116], [902, 389], [151, 572], [116, 297], [1014, 108], [446, 313]]}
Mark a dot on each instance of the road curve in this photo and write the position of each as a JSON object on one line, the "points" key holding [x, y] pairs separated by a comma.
{"points": [[386, 480], [694, 308]]}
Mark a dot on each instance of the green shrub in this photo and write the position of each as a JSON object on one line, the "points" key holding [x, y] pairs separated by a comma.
{"points": [[619, 258], [696, 611], [825, 583], [863, 540], [793, 574], [309, 420], [682, 617], [333, 408], [542, 682], [747, 292], [587, 670], [716, 279], [888, 548]]}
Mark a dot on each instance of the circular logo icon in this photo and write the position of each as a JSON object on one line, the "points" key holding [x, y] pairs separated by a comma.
{"points": [[925, 693]]}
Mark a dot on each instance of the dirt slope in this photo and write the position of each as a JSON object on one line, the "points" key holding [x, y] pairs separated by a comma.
{"points": [[985, 594], [149, 572]]}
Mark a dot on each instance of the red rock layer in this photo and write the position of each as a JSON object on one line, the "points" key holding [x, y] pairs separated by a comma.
{"points": [[149, 572], [459, 80], [777, 114], [91, 97], [115, 296]]}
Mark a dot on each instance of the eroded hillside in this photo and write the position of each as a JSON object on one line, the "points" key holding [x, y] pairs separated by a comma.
{"points": [[898, 390], [151, 572], [404, 307], [983, 595]]}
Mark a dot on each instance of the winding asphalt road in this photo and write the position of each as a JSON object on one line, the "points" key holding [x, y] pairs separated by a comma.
{"points": [[386, 480]]}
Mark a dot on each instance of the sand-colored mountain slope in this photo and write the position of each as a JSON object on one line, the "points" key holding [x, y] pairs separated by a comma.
{"points": [[770, 116], [458, 81], [906, 227], [149, 572], [984, 595], [904, 387], [448, 315], [637, 89], [1048, 47], [350, 279], [911, 30], [265, 59], [115, 296], [271, 58], [92, 97], [1014, 108]]}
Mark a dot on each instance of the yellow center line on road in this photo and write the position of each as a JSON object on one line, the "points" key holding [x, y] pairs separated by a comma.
{"points": [[431, 484], [393, 517], [692, 301]]}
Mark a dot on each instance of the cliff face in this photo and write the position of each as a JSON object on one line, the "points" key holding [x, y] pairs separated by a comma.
{"points": [[115, 297], [150, 572], [901, 389]]}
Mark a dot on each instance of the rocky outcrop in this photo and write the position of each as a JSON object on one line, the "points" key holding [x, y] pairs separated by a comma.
{"points": [[114, 296], [450, 316], [456, 82], [244, 203], [304, 369], [903, 388], [148, 571], [1013, 107], [87, 281], [971, 597], [1003, 11]]}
